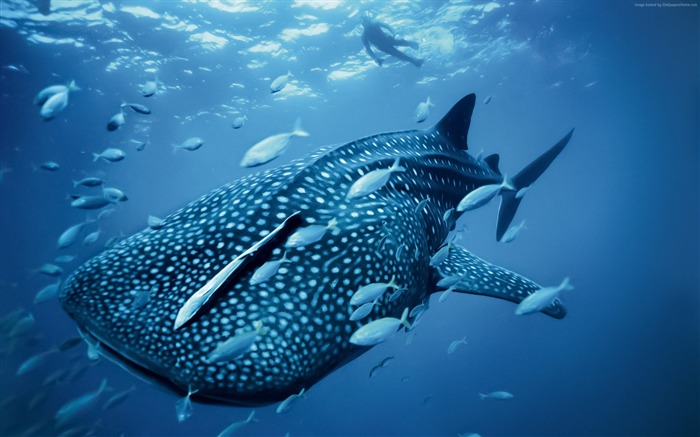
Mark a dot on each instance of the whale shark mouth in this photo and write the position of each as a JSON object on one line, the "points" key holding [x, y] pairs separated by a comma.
{"points": [[129, 363], [144, 372]]}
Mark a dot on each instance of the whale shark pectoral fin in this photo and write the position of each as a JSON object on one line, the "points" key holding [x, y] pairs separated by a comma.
{"points": [[525, 178], [196, 303], [454, 126], [486, 279]]}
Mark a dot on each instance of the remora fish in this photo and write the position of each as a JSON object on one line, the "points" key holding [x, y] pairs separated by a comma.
{"points": [[213, 246]]}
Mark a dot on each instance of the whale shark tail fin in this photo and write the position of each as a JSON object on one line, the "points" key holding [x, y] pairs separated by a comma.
{"points": [[454, 126], [510, 199], [483, 278]]}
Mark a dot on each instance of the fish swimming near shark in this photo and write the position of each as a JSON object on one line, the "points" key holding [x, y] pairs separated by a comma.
{"points": [[203, 257]]}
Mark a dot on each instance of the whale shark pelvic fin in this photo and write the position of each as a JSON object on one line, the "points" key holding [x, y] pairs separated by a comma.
{"points": [[486, 279]]}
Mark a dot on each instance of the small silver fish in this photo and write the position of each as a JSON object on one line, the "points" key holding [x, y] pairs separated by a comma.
{"points": [[89, 182], [106, 213], [362, 312], [395, 295], [445, 294], [238, 122], [118, 398], [542, 298], [381, 242], [449, 281], [487, 100], [482, 195], [513, 232], [379, 330], [421, 205], [399, 251], [49, 166], [113, 241], [114, 195], [385, 362], [500, 395], [116, 121], [286, 404], [441, 255], [91, 238], [236, 346], [22, 326], [268, 270], [422, 111], [373, 181], [418, 310], [90, 202], [110, 155], [55, 103], [35, 361], [70, 235], [280, 82], [235, 426], [310, 234], [271, 147], [183, 407], [50, 270], [78, 406], [190, 144], [49, 91], [48, 292], [142, 297], [137, 108], [372, 291], [455, 344], [64, 258], [149, 88], [447, 215], [155, 222], [140, 145]]}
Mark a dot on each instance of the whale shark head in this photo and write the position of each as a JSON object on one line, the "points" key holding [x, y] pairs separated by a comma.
{"points": [[127, 299]]}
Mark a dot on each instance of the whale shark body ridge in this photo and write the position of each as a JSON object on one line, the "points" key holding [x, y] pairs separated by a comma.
{"points": [[199, 264]]}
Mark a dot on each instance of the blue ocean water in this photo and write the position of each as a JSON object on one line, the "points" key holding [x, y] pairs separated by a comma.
{"points": [[617, 211]]}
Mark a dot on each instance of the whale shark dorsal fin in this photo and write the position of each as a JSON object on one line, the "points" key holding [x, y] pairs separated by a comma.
{"points": [[454, 126], [195, 304], [483, 278], [492, 161]]}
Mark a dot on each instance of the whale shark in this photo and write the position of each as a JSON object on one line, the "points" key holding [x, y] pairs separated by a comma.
{"points": [[165, 300]]}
